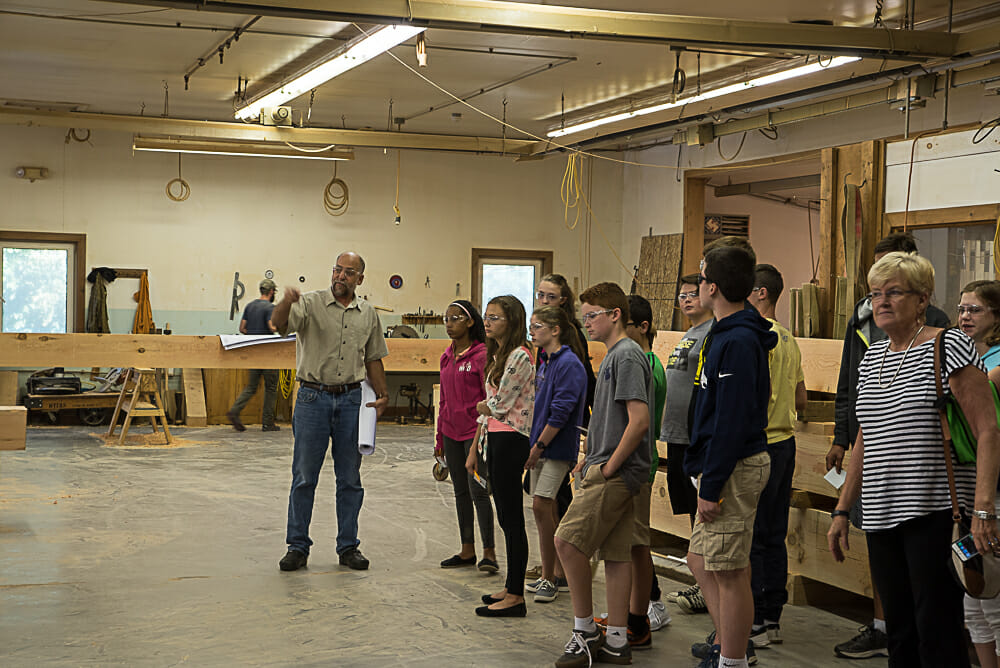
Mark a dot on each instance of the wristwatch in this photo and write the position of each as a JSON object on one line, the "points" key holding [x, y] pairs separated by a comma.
{"points": [[541, 445], [984, 515], [839, 513]]}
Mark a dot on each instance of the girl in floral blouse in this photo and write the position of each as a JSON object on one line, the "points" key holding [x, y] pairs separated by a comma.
{"points": [[506, 417]]}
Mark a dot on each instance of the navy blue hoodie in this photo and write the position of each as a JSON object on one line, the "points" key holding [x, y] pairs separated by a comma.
{"points": [[730, 410]]}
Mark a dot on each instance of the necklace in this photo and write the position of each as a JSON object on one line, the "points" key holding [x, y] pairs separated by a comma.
{"points": [[901, 362]]}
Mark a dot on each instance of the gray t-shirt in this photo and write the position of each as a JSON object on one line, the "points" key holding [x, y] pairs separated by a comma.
{"points": [[624, 375], [680, 368], [257, 314]]}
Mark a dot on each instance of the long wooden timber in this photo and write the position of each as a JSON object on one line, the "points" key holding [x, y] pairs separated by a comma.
{"points": [[197, 352]]}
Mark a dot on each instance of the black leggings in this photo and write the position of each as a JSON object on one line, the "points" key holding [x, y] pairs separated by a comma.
{"points": [[507, 452]]}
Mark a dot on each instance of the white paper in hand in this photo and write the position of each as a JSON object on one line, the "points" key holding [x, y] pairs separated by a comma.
{"points": [[367, 418], [834, 478]]}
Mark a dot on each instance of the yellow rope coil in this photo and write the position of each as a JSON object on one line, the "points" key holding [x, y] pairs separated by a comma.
{"points": [[286, 381]]}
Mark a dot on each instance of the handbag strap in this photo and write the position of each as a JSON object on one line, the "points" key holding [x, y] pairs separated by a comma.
{"points": [[945, 431]]}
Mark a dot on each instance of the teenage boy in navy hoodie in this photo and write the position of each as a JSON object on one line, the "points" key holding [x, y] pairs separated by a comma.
{"points": [[728, 451]]}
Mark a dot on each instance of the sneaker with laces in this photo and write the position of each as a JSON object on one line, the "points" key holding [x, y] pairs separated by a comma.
{"points": [[546, 592], [581, 649], [702, 650], [709, 651], [711, 659], [672, 595], [692, 603], [533, 586], [868, 643], [658, 615], [759, 637], [621, 656], [774, 634]]}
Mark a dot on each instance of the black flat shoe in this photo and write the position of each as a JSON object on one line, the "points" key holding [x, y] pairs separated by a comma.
{"points": [[457, 562], [293, 561], [489, 600], [488, 566], [519, 610]]}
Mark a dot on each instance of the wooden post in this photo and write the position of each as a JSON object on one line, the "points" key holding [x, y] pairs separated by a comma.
{"points": [[694, 223], [827, 235]]}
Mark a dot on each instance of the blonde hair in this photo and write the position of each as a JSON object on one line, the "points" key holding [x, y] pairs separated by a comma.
{"points": [[915, 271]]}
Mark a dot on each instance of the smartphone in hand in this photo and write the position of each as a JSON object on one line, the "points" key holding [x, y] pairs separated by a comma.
{"points": [[965, 547]]}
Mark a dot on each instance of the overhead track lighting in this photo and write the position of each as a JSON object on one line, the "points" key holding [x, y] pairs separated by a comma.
{"points": [[238, 148], [765, 80], [352, 54]]}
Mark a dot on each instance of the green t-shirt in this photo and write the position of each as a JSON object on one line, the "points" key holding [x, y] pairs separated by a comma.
{"points": [[660, 398]]}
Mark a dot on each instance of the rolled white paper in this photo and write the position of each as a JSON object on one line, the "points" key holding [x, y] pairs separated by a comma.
{"points": [[367, 418]]}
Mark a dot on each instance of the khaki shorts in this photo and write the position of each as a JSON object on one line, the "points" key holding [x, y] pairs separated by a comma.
{"points": [[547, 477], [600, 519], [725, 543], [640, 515]]}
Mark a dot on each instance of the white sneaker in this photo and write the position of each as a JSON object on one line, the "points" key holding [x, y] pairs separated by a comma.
{"points": [[546, 592], [658, 615], [533, 586]]}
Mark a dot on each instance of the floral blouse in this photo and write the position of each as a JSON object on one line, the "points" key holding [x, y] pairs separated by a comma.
{"points": [[512, 404]]}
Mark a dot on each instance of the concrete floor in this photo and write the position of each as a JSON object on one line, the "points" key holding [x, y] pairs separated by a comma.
{"points": [[154, 556]]}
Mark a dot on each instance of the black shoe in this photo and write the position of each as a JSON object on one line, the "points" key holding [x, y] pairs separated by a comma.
{"points": [[489, 600], [293, 561], [702, 650], [488, 566], [868, 643], [519, 610], [234, 418], [270, 427], [456, 561], [353, 559]]}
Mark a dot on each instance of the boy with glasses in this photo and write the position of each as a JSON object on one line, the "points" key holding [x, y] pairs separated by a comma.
{"points": [[603, 513], [680, 373]]}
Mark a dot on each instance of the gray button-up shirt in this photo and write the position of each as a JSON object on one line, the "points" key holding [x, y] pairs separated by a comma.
{"points": [[333, 342]]}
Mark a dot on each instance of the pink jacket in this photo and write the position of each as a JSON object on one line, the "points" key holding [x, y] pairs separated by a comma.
{"points": [[462, 387]]}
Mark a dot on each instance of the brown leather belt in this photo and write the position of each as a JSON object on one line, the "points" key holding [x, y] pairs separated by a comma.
{"points": [[330, 389]]}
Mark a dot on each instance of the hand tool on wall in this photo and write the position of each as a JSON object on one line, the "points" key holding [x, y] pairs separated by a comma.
{"points": [[238, 291]]}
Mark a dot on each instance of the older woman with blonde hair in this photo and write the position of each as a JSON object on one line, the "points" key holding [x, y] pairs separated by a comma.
{"points": [[898, 467]]}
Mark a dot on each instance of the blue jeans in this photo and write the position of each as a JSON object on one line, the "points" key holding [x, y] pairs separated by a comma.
{"points": [[768, 553], [320, 417]]}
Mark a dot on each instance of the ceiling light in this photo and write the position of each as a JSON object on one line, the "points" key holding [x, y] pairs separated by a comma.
{"points": [[352, 54], [251, 149], [765, 80]]}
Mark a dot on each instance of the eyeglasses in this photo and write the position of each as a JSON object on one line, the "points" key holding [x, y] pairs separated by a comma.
{"points": [[587, 317], [547, 296], [971, 309], [682, 296], [704, 279], [494, 318], [535, 326], [758, 289], [891, 295], [346, 271], [452, 318], [701, 265]]}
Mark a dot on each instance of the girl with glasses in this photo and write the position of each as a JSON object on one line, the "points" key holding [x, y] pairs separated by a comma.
{"points": [[506, 420], [463, 367], [560, 393], [554, 290]]}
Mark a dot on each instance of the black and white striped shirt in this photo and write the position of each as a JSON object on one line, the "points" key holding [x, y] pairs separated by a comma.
{"points": [[904, 474]]}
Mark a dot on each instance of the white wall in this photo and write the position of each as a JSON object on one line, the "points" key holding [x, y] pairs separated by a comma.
{"points": [[253, 214]]}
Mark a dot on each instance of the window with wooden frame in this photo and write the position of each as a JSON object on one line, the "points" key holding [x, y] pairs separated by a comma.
{"points": [[501, 271], [42, 281]]}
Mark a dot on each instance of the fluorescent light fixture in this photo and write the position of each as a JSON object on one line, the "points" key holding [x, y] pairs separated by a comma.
{"points": [[232, 147], [765, 80], [352, 54]]}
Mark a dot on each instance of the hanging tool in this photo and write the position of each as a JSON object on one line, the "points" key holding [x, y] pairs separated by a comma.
{"points": [[238, 291]]}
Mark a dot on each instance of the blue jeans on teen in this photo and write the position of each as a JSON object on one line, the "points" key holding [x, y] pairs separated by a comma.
{"points": [[319, 418], [768, 554]]}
